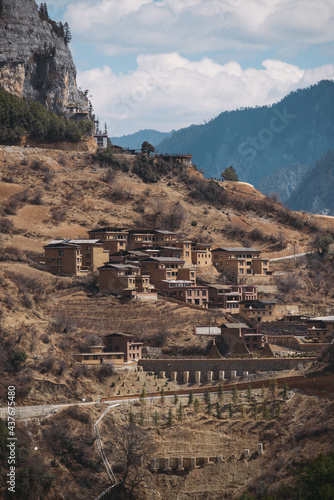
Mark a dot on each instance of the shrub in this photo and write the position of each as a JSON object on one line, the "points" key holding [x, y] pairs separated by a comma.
{"points": [[173, 219], [209, 191], [145, 169], [6, 225], [105, 371], [58, 214], [77, 413]]}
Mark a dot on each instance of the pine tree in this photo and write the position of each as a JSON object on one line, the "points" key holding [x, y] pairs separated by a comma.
{"points": [[67, 34], [218, 410], [162, 396], [263, 392], [208, 407], [273, 387], [176, 399], [142, 418], [235, 394], [191, 398], [206, 396], [285, 391], [249, 393], [196, 405], [131, 417], [143, 396], [220, 393], [156, 418], [230, 410], [278, 410], [170, 417], [229, 174], [265, 412], [180, 412], [243, 412]]}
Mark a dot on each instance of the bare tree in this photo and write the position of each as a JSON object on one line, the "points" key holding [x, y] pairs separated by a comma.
{"points": [[131, 448]]}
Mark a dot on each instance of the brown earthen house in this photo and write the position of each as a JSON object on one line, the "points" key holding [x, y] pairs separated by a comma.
{"points": [[256, 311], [98, 356], [177, 160], [240, 261], [123, 342], [183, 290], [201, 255], [228, 297], [73, 257], [138, 238], [167, 268], [115, 238], [124, 279]]}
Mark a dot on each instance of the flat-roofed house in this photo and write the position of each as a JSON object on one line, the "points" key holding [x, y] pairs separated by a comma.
{"points": [[123, 342], [63, 257], [141, 237], [98, 356], [256, 311], [228, 297], [162, 268], [185, 246], [115, 238], [124, 279], [72, 257], [184, 290], [240, 261], [94, 253], [201, 255]]}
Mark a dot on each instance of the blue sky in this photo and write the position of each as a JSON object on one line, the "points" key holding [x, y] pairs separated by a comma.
{"points": [[166, 64]]}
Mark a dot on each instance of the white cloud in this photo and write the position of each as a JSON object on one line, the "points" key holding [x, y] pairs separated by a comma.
{"points": [[198, 26], [168, 91]]}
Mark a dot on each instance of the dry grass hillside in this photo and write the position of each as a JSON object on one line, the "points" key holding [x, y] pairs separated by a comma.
{"points": [[44, 319]]}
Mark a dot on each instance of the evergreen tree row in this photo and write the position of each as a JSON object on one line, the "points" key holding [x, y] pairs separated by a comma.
{"points": [[19, 117]]}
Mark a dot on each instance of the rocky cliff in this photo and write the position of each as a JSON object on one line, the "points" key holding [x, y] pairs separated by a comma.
{"points": [[35, 62]]}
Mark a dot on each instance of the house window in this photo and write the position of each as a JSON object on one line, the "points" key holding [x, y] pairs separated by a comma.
{"points": [[95, 357], [60, 252], [86, 358], [58, 261]]}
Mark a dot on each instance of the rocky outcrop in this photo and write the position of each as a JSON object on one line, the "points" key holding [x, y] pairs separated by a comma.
{"points": [[34, 62]]}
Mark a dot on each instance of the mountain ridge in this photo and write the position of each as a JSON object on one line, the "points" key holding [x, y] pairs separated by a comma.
{"points": [[258, 141]]}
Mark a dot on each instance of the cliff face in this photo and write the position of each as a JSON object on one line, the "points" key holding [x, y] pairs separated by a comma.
{"points": [[34, 62]]}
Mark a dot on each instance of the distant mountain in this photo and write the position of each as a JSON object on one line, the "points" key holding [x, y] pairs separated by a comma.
{"points": [[259, 141], [315, 191], [283, 180], [134, 141]]}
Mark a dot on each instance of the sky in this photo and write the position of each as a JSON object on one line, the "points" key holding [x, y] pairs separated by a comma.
{"points": [[167, 64]]}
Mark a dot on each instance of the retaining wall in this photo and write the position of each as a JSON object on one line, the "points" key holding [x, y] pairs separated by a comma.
{"points": [[217, 365]]}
